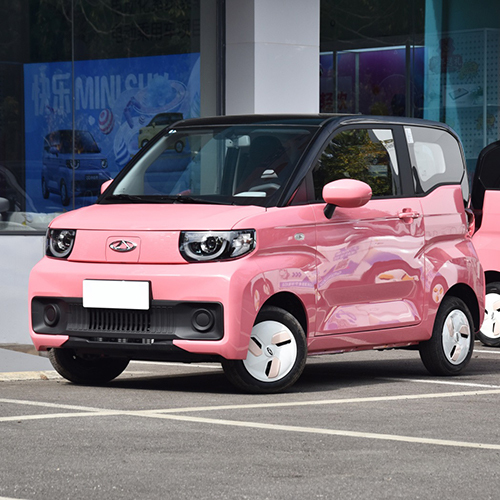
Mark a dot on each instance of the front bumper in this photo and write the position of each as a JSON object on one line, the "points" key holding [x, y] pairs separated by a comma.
{"points": [[206, 310]]}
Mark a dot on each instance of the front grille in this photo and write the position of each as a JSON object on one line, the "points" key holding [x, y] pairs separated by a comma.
{"points": [[157, 320], [119, 321], [163, 321]]}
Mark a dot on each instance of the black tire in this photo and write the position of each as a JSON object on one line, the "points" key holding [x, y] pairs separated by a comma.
{"points": [[64, 194], [86, 370], [45, 189], [450, 348], [276, 355], [489, 333]]}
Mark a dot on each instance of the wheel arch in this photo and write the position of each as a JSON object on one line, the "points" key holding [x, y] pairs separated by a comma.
{"points": [[291, 303], [491, 276], [465, 292]]}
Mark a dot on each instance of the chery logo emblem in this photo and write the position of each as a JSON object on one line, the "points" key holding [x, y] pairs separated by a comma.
{"points": [[122, 246]]}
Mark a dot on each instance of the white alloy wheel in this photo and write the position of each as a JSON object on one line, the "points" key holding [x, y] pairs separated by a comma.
{"points": [[456, 337], [276, 356], [491, 324], [451, 345], [272, 351]]}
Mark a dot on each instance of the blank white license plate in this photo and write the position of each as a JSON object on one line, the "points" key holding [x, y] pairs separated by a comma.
{"points": [[116, 294]]}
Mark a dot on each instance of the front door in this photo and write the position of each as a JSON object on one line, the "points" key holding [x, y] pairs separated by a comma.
{"points": [[370, 259]]}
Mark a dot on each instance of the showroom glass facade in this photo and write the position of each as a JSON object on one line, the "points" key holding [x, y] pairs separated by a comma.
{"points": [[434, 59], [83, 85]]}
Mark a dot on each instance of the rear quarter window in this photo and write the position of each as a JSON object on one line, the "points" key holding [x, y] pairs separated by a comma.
{"points": [[436, 159]]}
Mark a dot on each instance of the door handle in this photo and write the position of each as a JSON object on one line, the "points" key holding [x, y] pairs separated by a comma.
{"points": [[408, 213]]}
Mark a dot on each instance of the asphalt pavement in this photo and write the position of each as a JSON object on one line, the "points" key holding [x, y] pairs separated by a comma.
{"points": [[368, 425]]}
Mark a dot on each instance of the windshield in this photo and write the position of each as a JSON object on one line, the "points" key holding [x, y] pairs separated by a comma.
{"points": [[241, 165], [62, 140]]}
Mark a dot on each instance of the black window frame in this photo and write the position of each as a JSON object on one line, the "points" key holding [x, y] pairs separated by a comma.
{"points": [[463, 182], [402, 154]]}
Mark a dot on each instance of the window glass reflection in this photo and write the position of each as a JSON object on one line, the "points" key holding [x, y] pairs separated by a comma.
{"points": [[85, 85]]}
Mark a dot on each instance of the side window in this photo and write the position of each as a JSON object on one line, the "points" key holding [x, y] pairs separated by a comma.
{"points": [[368, 155], [436, 159]]}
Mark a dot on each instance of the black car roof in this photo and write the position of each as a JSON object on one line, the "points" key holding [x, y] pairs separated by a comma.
{"points": [[320, 119]]}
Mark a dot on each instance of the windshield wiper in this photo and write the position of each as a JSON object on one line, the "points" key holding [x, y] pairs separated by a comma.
{"points": [[162, 199], [186, 199], [190, 199], [126, 197]]}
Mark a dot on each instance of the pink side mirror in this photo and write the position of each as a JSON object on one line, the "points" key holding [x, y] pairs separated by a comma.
{"points": [[348, 193]]}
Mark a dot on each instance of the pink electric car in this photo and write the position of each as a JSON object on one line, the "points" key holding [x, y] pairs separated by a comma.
{"points": [[255, 241], [486, 205]]}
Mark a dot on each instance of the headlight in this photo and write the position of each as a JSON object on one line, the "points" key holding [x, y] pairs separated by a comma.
{"points": [[216, 245], [60, 242], [73, 163]]}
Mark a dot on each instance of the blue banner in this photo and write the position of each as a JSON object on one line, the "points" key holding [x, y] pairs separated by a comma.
{"points": [[119, 105]]}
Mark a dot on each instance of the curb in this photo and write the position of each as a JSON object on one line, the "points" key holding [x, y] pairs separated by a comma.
{"points": [[17, 376]]}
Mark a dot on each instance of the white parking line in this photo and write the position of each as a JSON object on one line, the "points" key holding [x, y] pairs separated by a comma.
{"points": [[438, 382], [173, 414], [330, 432], [50, 405], [104, 413], [321, 402], [53, 375], [260, 425], [250, 406], [209, 366], [374, 399]]}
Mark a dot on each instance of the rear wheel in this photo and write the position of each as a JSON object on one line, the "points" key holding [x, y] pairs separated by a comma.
{"points": [[276, 354], [489, 334], [86, 370], [449, 350]]}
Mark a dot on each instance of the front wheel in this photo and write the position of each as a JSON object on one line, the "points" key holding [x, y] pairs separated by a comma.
{"points": [[449, 350], [489, 334], [86, 370], [276, 355]]}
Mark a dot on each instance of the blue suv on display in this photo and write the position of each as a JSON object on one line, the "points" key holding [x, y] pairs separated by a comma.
{"points": [[67, 158]]}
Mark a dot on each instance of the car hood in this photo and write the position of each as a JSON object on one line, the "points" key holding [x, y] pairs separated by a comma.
{"points": [[156, 217], [153, 230]]}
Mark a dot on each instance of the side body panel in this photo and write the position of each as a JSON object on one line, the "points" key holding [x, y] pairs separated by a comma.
{"points": [[370, 267], [445, 255], [487, 238], [450, 257]]}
